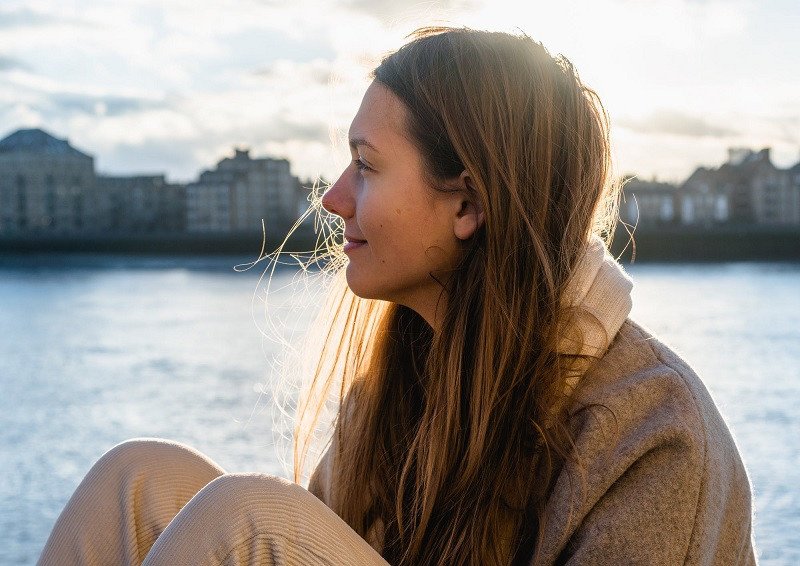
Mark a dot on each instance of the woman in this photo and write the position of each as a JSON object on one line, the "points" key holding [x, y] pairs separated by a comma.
{"points": [[496, 405]]}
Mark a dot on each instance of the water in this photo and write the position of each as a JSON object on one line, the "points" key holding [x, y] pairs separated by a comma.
{"points": [[739, 326], [94, 350]]}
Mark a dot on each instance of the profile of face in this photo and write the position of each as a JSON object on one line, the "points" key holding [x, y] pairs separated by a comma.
{"points": [[403, 236]]}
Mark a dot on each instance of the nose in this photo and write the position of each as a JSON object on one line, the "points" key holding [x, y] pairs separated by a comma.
{"points": [[338, 199]]}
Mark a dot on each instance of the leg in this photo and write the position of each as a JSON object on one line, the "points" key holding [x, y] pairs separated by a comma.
{"points": [[125, 501], [249, 519]]}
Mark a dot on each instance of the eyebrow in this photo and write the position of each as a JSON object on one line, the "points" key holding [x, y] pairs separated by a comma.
{"points": [[355, 142]]}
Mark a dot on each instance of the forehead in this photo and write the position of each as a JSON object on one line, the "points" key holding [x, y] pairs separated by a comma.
{"points": [[380, 117]]}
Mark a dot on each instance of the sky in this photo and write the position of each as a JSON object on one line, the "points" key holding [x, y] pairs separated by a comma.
{"points": [[173, 86]]}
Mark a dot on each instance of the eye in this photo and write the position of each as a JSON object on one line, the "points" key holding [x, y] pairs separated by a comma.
{"points": [[361, 166]]}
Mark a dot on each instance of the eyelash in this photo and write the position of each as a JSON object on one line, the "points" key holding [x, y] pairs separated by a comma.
{"points": [[361, 166]]}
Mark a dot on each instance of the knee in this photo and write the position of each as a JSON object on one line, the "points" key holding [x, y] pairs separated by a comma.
{"points": [[253, 486], [255, 495], [144, 451], [132, 451], [138, 456], [230, 515]]}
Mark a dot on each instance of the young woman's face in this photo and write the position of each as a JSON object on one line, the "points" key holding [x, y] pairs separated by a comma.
{"points": [[399, 230]]}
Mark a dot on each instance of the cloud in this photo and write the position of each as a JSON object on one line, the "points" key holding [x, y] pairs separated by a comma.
{"points": [[675, 122], [10, 64], [176, 86], [27, 18], [68, 103], [181, 135], [24, 18], [390, 11], [183, 161], [284, 129], [790, 128], [282, 72], [155, 157], [26, 97]]}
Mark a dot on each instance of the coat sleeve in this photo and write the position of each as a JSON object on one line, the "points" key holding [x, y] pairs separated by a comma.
{"points": [[660, 511], [660, 479]]}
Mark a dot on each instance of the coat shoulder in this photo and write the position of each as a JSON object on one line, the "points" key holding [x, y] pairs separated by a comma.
{"points": [[655, 456]]}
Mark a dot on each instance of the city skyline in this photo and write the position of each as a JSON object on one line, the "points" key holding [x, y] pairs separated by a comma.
{"points": [[169, 87]]}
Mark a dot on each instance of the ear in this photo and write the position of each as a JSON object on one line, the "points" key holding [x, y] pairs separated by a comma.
{"points": [[470, 216]]}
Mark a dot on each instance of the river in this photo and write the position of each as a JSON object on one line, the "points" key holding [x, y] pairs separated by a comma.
{"points": [[97, 349]]}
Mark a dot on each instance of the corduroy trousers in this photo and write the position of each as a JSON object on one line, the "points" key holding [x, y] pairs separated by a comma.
{"points": [[159, 502]]}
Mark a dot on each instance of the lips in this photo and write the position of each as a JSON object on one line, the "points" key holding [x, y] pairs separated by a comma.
{"points": [[353, 244]]}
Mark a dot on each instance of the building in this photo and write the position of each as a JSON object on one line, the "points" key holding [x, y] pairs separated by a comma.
{"points": [[794, 172], [47, 187], [648, 203], [241, 193], [144, 204], [705, 198], [747, 189]]}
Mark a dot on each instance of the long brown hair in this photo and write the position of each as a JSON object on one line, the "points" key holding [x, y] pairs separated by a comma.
{"points": [[447, 443]]}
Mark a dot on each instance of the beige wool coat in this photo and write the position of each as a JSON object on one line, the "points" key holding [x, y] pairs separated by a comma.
{"points": [[664, 480]]}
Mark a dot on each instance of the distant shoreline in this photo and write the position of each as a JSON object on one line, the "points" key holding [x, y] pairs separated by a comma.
{"points": [[681, 244], [663, 244], [240, 243]]}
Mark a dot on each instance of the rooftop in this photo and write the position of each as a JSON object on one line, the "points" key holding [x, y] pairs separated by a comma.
{"points": [[38, 141]]}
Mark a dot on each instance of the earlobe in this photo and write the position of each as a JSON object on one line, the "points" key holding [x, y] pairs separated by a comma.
{"points": [[468, 221], [471, 215]]}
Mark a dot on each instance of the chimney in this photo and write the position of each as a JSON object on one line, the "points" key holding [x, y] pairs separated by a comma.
{"points": [[738, 155]]}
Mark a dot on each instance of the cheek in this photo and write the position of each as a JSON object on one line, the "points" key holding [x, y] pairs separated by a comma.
{"points": [[380, 218], [400, 221]]}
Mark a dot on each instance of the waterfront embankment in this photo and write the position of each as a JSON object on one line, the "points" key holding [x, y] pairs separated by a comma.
{"points": [[680, 244]]}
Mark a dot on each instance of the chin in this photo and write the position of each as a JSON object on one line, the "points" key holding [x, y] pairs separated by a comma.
{"points": [[365, 288], [357, 287]]}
